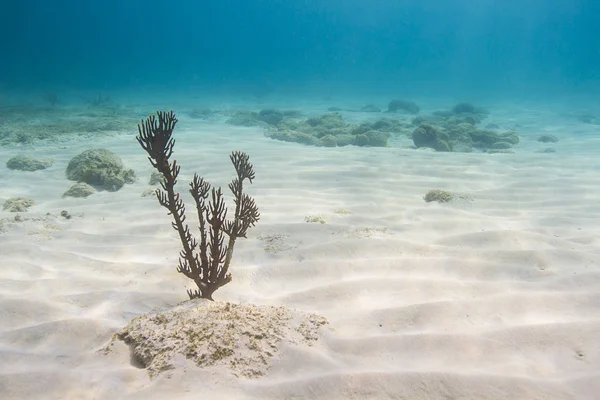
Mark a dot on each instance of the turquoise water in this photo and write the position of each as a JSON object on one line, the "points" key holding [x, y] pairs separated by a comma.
{"points": [[459, 49]]}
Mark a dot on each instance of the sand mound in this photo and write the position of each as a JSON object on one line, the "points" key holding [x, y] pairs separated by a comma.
{"points": [[243, 337]]}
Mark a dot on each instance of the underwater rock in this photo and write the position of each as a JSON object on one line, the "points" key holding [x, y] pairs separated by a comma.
{"points": [[329, 141], [441, 196], [100, 168], [243, 338], [383, 125], [331, 130], [462, 108], [327, 121], [27, 163], [548, 139], [17, 204], [460, 137], [387, 125], [403, 105], [460, 114], [345, 139], [314, 219], [334, 109], [270, 116], [467, 108], [361, 140], [501, 145], [80, 189], [372, 138], [462, 133], [288, 135], [431, 136], [370, 108], [486, 140], [447, 120], [443, 146]]}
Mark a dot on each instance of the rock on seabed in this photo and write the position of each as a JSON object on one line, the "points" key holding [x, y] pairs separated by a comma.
{"points": [[243, 337]]}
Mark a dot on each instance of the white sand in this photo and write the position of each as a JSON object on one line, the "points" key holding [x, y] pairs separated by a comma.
{"points": [[495, 298]]}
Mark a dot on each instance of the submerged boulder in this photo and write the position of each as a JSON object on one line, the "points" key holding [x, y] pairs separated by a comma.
{"points": [[457, 130], [327, 121], [101, 169], [487, 140], [270, 116], [370, 108], [330, 130], [372, 138], [548, 139], [468, 108], [427, 135], [28, 163], [79, 189], [17, 204], [403, 105]]}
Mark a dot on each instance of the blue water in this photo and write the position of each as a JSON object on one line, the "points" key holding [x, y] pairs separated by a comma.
{"points": [[481, 48]]}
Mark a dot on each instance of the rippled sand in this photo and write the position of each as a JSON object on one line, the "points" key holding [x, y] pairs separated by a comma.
{"points": [[493, 296]]}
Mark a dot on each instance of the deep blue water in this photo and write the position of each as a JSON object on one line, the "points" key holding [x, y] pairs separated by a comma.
{"points": [[425, 47]]}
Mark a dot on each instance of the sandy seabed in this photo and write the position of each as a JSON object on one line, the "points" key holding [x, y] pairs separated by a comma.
{"points": [[493, 296]]}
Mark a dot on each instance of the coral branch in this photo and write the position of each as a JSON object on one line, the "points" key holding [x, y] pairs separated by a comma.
{"points": [[207, 262]]}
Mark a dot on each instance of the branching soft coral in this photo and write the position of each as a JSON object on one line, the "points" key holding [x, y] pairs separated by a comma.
{"points": [[207, 262]]}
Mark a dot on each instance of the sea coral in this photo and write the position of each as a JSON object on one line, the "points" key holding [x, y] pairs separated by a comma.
{"points": [[205, 262]]}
